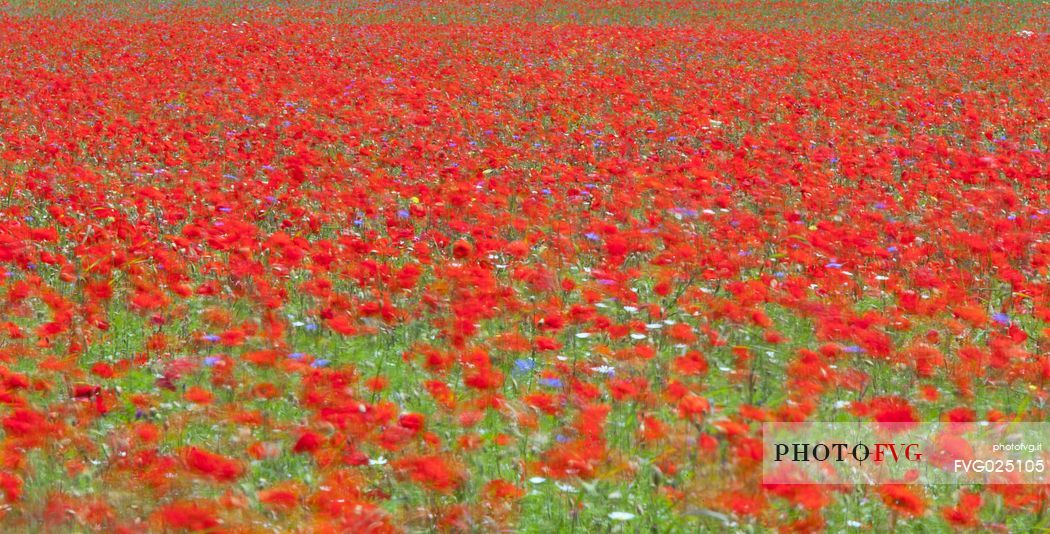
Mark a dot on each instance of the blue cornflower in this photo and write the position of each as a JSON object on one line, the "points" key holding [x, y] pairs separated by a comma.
{"points": [[551, 382], [524, 366]]}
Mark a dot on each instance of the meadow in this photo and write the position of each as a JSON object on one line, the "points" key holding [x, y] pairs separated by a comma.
{"points": [[510, 265]]}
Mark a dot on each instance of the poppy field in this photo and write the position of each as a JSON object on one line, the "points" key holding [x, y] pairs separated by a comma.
{"points": [[511, 265]]}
